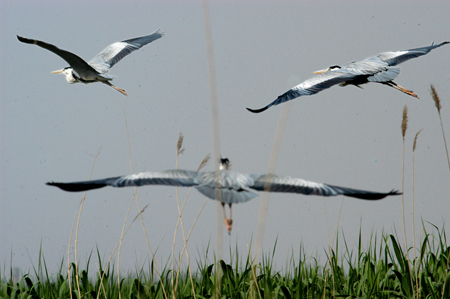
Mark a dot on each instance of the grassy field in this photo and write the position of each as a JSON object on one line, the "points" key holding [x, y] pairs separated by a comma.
{"points": [[381, 271]]}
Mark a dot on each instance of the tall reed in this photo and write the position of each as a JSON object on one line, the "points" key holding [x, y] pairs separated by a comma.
{"points": [[437, 102], [404, 127], [413, 214], [378, 270]]}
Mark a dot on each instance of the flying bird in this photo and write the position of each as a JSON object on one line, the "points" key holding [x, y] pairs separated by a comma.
{"points": [[226, 186], [95, 70], [379, 69]]}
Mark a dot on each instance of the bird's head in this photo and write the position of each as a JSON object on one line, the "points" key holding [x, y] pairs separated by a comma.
{"points": [[64, 71], [71, 75], [224, 163], [334, 67]]}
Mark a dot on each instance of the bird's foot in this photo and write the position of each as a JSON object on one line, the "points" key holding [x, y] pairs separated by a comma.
{"points": [[402, 89], [411, 93], [228, 224], [122, 91]]}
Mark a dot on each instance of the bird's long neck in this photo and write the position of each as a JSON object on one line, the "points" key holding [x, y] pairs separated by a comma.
{"points": [[71, 76]]}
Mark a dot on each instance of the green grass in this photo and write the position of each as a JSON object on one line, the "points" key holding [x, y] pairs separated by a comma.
{"points": [[380, 271]]}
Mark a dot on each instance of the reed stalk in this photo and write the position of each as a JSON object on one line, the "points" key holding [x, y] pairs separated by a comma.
{"points": [[413, 214], [437, 102]]}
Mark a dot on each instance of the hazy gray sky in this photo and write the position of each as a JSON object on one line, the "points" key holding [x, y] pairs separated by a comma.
{"points": [[51, 131]]}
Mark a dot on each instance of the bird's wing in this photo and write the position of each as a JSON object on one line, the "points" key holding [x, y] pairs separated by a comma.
{"points": [[397, 57], [184, 178], [274, 183], [232, 186], [112, 54], [76, 62], [387, 74], [310, 87]]}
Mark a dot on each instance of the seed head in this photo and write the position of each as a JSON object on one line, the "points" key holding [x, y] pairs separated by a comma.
{"points": [[435, 97], [415, 140], [404, 125]]}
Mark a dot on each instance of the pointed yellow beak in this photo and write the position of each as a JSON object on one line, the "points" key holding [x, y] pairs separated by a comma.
{"points": [[57, 72], [322, 71]]}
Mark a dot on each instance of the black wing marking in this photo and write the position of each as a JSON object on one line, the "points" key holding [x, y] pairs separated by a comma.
{"points": [[275, 183], [310, 87], [183, 178], [76, 62]]}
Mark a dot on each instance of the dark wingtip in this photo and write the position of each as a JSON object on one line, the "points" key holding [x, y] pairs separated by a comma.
{"points": [[25, 40], [59, 185], [258, 110], [77, 186], [441, 44], [374, 195], [394, 192], [383, 195]]}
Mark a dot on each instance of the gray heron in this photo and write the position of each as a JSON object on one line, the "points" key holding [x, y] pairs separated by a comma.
{"points": [[379, 69], [233, 186], [96, 69]]}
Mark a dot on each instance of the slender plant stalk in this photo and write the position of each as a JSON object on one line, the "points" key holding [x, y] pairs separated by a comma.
{"points": [[334, 238], [404, 127], [140, 214], [265, 197], [216, 136], [186, 239], [270, 170], [68, 253], [437, 102], [126, 217], [120, 245], [328, 264], [413, 216], [76, 233], [180, 150], [185, 246]]}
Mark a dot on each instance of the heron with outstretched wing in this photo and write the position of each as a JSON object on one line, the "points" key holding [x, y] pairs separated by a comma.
{"points": [[96, 69], [233, 187], [380, 69]]}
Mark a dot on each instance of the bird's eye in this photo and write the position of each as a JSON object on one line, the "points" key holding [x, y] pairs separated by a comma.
{"points": [[333, 67]]}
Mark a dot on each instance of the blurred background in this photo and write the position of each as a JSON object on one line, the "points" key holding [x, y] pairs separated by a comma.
{"points": [[52, 131]]}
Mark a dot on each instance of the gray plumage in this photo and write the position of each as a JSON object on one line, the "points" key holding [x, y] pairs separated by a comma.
{"points": [[234, 187], [96, 69], [379, 69]]}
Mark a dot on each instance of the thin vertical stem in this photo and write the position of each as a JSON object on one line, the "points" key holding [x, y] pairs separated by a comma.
{"points": [[412, 199], [215, 125]]}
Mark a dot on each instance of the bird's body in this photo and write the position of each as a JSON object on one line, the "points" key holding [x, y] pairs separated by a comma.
{"points": [[380, 69], [227, 186], [96, 69]]}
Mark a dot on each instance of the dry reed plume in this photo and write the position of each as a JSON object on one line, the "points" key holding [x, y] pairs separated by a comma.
{"points": [[437, 102]]}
